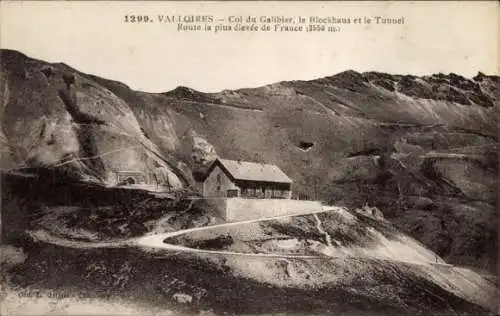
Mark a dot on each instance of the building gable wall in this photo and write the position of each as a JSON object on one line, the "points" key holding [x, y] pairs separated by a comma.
{"points": [[218, 183]]}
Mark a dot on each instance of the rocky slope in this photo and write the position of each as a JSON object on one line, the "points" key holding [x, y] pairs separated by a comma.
{"points": [[166, 284], [422, 149], [80, 245]]}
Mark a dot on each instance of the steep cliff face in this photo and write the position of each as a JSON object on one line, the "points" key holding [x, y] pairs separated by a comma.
{"points": [[422, 149], [54, 117]]}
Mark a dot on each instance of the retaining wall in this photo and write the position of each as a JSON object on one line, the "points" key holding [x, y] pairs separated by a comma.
{"points": [[236, 209]]}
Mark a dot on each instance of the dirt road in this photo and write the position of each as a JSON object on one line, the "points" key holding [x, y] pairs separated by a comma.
{"points": [[156, 241]]}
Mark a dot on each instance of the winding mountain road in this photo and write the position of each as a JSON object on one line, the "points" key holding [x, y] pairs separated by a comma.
{"points": [[156, 241]]}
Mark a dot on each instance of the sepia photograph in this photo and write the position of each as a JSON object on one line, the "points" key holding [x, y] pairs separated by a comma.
{"points": [[249, 158]]}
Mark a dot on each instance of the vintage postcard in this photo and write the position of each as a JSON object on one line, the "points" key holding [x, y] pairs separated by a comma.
{"points": [[249, 158]]}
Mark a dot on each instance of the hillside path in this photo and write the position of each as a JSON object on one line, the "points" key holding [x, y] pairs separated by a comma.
{"points": [[156, 240]]}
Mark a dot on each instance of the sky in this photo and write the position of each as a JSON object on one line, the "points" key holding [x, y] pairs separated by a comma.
{"points": [[459, 37]]}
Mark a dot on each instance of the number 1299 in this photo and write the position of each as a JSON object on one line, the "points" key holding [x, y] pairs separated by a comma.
{"points": [[137, 19]]}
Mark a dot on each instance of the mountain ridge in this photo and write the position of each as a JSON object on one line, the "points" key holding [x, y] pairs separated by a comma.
{"points": [[479, 76]]}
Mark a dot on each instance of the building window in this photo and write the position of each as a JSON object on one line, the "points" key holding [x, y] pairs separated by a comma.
{"points": [[218, 188], [218, 178], [232, 193]]}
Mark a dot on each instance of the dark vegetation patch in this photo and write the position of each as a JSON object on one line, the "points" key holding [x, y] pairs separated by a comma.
{"points": [[48, 71], [143, 278], [447, 87], [109, 212], [384, 83], [218, 243], [185, 93], [409, 86], [300, 92], [350, 80]]}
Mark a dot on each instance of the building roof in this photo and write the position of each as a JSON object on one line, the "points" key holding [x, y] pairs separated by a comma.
{"points": [[251, 171]]}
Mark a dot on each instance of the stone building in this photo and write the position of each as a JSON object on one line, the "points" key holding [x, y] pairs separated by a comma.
{"points": [[231, 178]]}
